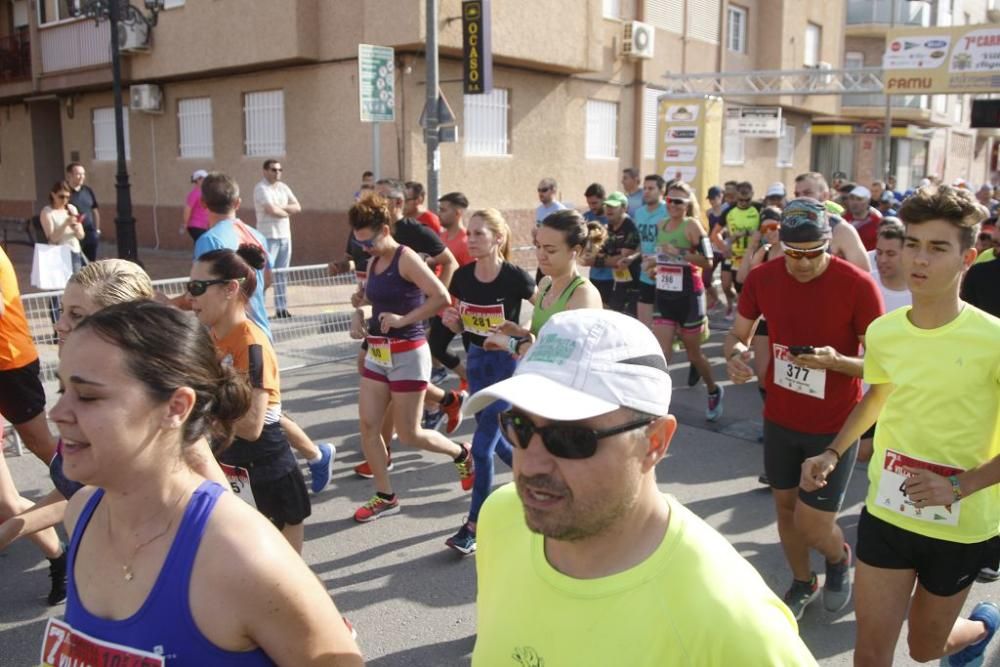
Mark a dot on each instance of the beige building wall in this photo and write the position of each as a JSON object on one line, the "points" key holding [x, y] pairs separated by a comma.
{"points": [[17, 165]]}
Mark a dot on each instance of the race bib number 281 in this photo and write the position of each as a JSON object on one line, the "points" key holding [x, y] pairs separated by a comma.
{"points": [[65, 647]]}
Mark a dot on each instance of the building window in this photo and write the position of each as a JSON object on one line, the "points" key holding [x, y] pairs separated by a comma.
{"points": [[612, 9], [786, 146], [736, 29], [939, 103], [264, 123], [194, 117], [104, 134], [51, 11], [854, 59], [602, 129], [169, 4], [703, 20], [649, 115], [958, 109], [487, 118], [812, 42], [666, 15]]}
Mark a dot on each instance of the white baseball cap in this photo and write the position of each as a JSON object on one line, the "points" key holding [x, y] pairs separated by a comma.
{"points": [[775, 190], [198, 173], [861, 191], [585, 363]]}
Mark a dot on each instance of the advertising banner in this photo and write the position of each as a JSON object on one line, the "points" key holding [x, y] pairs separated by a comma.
{"points": [[689, 141], [960, 59]]}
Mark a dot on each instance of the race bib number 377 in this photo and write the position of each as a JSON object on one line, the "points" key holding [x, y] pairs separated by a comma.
{"points": [[65, 647], [801, 380]]}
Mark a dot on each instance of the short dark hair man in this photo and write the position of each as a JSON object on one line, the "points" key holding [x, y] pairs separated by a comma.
{"points": [[413, 206], [632, 189], [83, 198], [931, 517], [584, 538]]}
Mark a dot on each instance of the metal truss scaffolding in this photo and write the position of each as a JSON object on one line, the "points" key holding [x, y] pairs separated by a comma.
{"points": [[813, 81]]}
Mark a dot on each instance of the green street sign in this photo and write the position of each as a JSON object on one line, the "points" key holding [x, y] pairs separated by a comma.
{"points": [[376, 83]]}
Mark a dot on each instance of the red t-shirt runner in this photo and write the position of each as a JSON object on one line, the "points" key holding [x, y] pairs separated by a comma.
{"points": [[831, 310]]}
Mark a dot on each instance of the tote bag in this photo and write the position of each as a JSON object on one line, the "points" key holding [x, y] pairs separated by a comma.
{"points": [[51, 266]]}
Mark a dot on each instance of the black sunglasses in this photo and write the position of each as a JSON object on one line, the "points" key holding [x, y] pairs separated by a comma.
{"points": [[198, 287], [678, 201], [544, 189], [562, 440], [276, 169]]}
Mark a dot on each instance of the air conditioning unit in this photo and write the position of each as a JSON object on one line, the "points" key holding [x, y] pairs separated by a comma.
{"points": [[828, 79], [146, 97], [637, 40], [133, 37]]}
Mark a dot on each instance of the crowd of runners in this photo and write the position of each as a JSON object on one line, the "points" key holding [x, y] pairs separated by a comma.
{"points": [[868, 318]]}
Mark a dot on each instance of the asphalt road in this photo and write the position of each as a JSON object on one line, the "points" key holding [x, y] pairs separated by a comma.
{"points": [[410, 598]]}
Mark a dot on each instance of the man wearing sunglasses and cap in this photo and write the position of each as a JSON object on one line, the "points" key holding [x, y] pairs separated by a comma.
{"points": [[582, 560], [818, 308]]}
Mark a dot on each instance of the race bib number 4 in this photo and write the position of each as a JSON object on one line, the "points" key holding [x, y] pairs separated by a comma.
{"points": [[481, 320], [801, 380], [892, 489], [239, 482], [65, 647], [379, 352], [669, 277]]}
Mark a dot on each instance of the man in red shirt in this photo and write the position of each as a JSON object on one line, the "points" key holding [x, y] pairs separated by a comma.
{"points": [[413, 206], [863, 215], [818, 308]]}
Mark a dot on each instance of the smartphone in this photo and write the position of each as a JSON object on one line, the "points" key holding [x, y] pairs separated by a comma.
{"points": [[801, 349]]}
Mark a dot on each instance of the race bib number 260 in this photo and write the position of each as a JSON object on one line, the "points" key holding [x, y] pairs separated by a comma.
{"points": [[65, 647]]}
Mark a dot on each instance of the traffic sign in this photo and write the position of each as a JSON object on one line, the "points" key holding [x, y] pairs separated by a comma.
{"points": [[445, 116], [376, 83]]}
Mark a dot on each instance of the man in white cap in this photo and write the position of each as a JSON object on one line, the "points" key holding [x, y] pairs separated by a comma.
{"points": [[582, 560], [863, 216], [775, 195]]}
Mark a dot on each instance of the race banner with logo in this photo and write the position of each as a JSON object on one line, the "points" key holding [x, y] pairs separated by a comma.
{"points": [[689, 141], [957, 60]]}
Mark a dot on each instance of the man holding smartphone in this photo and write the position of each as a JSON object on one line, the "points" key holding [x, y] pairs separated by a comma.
{"points": [[818, 308]]}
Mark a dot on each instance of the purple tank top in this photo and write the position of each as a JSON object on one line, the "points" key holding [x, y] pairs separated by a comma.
{"points": [[390, 292], [164, 624]]}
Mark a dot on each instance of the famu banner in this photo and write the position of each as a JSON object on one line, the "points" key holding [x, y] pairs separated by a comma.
{"points": [[961, 59]]}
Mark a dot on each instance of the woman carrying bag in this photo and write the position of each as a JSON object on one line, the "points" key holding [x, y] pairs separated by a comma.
{"points": [[61, 223]]}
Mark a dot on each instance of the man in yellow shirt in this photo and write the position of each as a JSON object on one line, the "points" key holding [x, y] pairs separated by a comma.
{"points": [[932, 515], [582, 560]]}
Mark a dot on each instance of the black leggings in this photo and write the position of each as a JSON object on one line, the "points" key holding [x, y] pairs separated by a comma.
{"points": [[439, 339]]}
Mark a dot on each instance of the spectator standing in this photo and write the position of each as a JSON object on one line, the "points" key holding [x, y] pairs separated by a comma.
{"points": [[275, 204], [548, 204], [82, 197], [195, 214]]}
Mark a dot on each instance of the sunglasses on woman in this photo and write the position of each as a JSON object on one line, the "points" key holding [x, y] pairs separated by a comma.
{"points": [[367, 245], [562, 440], [809, 253], [199, 287], [769, 227], [677, 201]]}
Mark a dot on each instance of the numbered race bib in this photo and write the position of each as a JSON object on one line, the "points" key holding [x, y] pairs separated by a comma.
{"points": [[622, 275], [63, 645], [379, 352], [806, 381], [239, 482], [669, 274], [480, 320], [892, 492]]}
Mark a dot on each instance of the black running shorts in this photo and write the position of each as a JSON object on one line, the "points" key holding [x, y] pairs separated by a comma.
{"points": [[784, 452], [944, 568], [21, 395]]}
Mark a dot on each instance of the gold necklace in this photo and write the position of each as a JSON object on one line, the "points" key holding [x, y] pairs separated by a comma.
{"points": [[127, 572]]}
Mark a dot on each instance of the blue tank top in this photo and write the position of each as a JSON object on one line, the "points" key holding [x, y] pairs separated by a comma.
{"points": [[389, 292], [164, 624]]}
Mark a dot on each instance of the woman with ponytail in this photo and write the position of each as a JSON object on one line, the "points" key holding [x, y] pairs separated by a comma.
{"points": [[562, 241], [222, 283], [164, 564], [488, 292]]}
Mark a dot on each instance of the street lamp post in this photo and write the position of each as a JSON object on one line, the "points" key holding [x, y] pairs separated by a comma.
{"points": [[117, 12]]}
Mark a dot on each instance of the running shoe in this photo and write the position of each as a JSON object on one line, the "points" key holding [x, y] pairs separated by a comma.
{"points": [[376, 507], [57, 573], [365, 470], [350, 627], [693, 375], [762, 479], [320, 470], [466, 468], [714, 410], [837, 585], [988, 614], [454, 411], [439, 375], [800, 595], [988, 575], [432, 419], [464, 541]]}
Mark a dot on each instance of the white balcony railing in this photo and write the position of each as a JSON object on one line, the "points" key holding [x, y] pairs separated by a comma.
{"points": [[74, 44]]}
